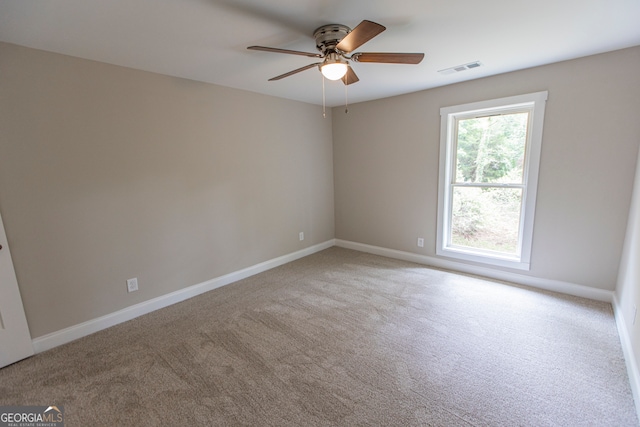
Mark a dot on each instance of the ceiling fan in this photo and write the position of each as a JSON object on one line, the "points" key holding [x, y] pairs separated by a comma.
{"points": [[335, 43]]}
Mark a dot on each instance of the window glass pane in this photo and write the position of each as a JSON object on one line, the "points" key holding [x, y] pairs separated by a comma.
{"points": [[486, 218], [491, 149]]}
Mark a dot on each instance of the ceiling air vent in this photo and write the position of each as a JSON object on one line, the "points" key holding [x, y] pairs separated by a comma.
{"points": [[459, 68]]}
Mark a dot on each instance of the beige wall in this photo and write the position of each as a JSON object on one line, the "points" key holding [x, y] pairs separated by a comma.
{"points": [[628, 289], [108, 173], [386, 164]]}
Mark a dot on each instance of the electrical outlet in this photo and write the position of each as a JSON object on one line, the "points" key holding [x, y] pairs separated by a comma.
{"points": [[420, 242], [132, 284], [301, 236]]}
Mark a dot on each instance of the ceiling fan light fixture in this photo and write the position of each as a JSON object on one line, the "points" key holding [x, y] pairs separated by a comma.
{"points": [[334, 68], [334, 71]]}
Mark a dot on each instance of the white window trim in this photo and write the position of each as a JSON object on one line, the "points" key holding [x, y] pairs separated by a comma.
{"points": [[448, 115]]}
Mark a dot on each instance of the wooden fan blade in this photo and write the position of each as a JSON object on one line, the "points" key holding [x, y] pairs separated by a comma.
{"points": [[290, 52], [296, 71], [365, 31], [388, 58], [350, 77]]}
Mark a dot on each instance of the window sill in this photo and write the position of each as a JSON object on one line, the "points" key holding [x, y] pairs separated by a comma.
{"points": [[498, 260]]}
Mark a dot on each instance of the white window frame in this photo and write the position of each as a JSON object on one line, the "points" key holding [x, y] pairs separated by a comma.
{"points": [[449, 116]]}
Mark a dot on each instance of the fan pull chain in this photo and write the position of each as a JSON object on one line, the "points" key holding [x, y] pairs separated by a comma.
{"points": [[324, 112], [346, 95]]}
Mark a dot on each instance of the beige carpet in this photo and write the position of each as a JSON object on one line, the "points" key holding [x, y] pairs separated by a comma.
{"points": [[347, 339]]}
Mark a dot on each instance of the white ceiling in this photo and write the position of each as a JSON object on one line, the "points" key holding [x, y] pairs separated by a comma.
{"points": [[206, 40]]}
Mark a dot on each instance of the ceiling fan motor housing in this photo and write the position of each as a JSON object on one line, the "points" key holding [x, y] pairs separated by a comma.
{"points": [[328, 36]]}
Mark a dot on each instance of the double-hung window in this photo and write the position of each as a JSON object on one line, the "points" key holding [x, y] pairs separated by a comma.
{"points": [[489, 157]]}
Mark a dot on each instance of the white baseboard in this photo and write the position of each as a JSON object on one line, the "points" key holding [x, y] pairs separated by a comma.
{"points": [[72, 333], [54, 339], [520, 279], [629, 355]]}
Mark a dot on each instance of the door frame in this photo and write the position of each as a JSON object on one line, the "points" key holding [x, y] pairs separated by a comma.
{"points": [[15, 338]]}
